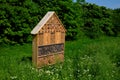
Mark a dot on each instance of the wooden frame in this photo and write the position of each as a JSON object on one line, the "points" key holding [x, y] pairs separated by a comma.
{"points": [[48, 41]]}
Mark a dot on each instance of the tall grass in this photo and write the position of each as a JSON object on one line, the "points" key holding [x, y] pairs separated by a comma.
{"points": [[85, 59]]}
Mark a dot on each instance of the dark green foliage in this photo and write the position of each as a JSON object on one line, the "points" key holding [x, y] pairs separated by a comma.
{"points": [[16, 20], [97, 21], [19, 17], [116, 21]]}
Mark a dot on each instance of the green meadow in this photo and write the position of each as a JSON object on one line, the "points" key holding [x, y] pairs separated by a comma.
{"points": [[85, 59]]}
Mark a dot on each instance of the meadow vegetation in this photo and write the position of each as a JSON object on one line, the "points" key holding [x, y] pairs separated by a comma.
{"points": [[85, 59], [88, 54]]}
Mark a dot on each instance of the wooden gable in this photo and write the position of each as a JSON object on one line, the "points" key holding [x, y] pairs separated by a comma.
{"points": [[49, 22]]}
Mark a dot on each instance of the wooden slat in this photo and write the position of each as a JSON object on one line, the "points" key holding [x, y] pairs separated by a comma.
{"points": [[40, 39], [46, 38], [52, 38], [34, 51], [57, 37], [62, 37]]}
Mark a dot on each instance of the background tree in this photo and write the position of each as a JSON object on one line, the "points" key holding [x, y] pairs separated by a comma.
{"points": [[97, 21], [18, 18], [116, 21]]}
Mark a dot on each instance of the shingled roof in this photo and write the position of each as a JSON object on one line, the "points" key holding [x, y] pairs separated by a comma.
{"points": [[42, 22]]}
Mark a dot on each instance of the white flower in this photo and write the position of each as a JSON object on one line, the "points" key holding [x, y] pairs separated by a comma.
{"points": [[84, 71], [89, 75], [13, 77], [48, 72], [88, 70]]}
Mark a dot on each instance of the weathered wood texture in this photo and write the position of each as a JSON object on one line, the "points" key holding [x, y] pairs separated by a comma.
{"points": [[48, 43], [50, 59], [34, 50]]}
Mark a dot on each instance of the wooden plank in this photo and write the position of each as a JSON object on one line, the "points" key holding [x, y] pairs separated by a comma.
{"points": [[57, 37], [34, 50], [50, 59], [62, 37], [46, 38], [40, 39], [37, 41], [52, 38]]}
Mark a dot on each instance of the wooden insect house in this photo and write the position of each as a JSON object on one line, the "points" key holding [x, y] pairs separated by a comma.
{"points": [[48, 40]]}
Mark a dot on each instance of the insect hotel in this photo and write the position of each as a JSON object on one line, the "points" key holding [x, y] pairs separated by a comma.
{"points": [[48, 41]]}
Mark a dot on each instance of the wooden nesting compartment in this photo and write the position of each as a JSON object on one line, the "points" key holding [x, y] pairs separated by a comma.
{"points": [[48, 41]]}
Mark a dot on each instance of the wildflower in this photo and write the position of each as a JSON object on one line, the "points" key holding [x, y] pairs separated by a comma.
{"points": [[113, 71], [89, 75], [88, 70], [70, 75], [78, 71], [85, 71], [33, 68], [60, 67], [48, 72], [40, 70], [13, 77]]}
